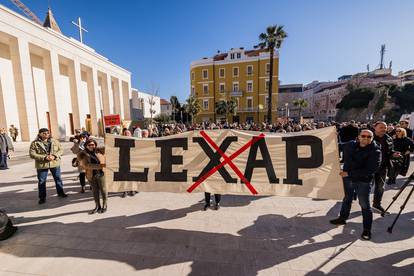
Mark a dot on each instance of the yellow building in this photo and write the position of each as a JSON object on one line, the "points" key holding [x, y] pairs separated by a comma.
{"points": [[241, 75]]}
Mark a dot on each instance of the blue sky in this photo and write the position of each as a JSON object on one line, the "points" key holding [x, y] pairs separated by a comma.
{"points": [[157, 40]]}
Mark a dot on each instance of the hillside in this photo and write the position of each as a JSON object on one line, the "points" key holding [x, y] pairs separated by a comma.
{"points": [[373, 103]]}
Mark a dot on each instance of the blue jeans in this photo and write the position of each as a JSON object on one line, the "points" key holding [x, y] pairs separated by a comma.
{"points": [[42, 176], [3, 161], [362, 189]]}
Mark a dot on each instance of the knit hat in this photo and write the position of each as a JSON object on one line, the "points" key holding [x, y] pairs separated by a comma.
{"points": [[43, 130]]}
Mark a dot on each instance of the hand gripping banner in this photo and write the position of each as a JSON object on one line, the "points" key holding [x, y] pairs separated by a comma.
{"points": [[226, 161]]}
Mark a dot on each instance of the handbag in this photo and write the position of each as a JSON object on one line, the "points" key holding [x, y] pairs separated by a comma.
{"points": [[75, 162]]}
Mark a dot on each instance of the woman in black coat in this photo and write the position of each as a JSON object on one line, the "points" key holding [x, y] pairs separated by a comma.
{"points": [[404, 146]]}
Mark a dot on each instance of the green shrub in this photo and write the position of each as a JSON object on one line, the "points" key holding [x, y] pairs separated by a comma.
{"points": [[357, 98]]}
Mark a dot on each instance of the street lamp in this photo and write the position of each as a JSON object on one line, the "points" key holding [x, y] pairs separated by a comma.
{"points": [[286, 110]]}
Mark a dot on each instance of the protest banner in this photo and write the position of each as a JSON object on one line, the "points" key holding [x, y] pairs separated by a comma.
{"points": [[304, 164]]}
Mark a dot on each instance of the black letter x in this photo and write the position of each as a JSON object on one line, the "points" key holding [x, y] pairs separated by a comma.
{"points": [[215, 158]]}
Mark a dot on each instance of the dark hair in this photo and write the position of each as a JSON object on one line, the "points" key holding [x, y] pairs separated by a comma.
{"points": [[90, 141], [379, 122]]}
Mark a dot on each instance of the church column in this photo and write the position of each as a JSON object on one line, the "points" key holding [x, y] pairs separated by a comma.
{"points": [[56, 117], [92, 87], [118, 85], [98, 96], [126, 96], [110, 93], [20, 56], [80, 122]]}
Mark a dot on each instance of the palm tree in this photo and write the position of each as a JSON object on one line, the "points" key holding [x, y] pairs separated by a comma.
{"points": [[232, 107], [221, 107], [273, 38], [301, 103], [175, 106], [193, 107], [226, 107]]}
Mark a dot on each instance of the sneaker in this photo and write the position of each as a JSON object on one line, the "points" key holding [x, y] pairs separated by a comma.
{"points": [[42, 200], [379, 208], [338, 221], [366, 235], [206, 207]]}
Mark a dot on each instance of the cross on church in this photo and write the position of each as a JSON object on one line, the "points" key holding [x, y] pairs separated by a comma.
{"points": [[79, 25]]}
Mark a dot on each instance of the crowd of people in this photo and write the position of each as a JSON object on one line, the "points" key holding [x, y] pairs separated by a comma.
{"points": [[370, 153]]}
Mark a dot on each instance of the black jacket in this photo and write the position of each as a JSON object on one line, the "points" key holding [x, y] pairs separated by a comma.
{"points": [[386, 152], [361, 162], [403, 144], [348, 133]]}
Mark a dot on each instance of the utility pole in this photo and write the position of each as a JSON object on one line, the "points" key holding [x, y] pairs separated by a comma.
{"points": [[382, 53]]}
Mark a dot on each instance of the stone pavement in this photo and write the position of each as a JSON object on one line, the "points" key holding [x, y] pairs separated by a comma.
{"points": [[168, 234]]}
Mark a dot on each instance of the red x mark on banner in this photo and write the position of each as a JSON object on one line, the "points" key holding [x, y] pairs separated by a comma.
{"points": [[227, 160]]}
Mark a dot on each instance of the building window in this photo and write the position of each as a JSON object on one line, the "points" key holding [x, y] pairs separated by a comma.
{"points": [[267, 85], [221, 73], [249, 103], [192, 75], [235, 71], [266, 103], [249, 86], [205, 74], [222, 87], [235, 86], [205, 88], [250, 70], [238, 55], [267, 68], [232, 56], [205, 104], [192, 90]]}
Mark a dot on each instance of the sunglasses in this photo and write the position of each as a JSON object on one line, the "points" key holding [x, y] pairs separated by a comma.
{"points": [[366, 136]]}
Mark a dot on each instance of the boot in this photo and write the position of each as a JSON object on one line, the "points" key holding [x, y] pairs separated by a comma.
{"points": [[104, 208], [96, 209]]}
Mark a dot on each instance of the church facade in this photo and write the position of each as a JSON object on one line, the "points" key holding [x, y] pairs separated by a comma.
{"points": [[50, 80]]}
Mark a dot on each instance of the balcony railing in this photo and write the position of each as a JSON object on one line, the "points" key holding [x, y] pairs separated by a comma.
{"points": [[236, 93], [247, 109]]}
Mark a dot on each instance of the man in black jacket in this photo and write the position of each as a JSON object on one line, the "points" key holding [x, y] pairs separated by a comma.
{"points": [[404, 124], [362, 158], [387, 151], [349, 132]]}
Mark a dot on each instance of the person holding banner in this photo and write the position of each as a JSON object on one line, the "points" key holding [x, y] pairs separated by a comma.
{"points": [[79, 145], [92, 160], [362, 159]]}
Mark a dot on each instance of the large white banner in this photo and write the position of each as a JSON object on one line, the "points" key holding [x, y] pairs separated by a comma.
{"points": [[303, 164]]}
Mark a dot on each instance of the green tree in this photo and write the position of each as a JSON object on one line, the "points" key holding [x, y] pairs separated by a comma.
{"points": [[193, 107], [301, 103], [175, 106], [404, 98], [226, 107], [162, 119], [273, 38], [221, 107], [358, 97]]}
